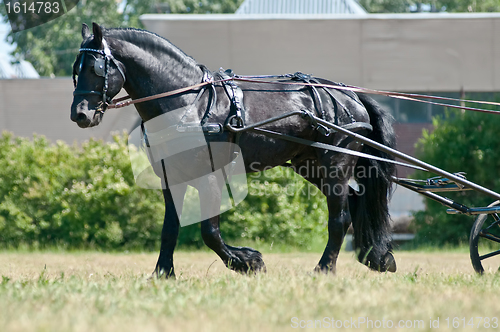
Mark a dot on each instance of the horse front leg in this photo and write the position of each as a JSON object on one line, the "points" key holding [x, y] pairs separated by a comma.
{"points": [[239, 259], [169, 233]]}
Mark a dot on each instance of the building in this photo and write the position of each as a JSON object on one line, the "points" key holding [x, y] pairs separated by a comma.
{"points": [[8, 68], [300, 7], [19, 69], [42, 106]]}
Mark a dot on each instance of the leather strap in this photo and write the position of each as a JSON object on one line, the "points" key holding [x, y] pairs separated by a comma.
{"points": [[117, 103], [161, 95], [235, 95]]}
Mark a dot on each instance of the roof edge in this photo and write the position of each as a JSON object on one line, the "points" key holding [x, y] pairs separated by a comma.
{"points": [[236, 17]]}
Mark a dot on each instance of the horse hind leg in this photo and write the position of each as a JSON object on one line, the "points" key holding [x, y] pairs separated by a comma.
{"points": [[239, 259], [371, 237], [368, 211], [338, 222], [370, 221]]}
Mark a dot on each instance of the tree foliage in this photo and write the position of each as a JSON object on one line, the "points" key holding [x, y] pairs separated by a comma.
{"points": [[469, 6], [452, 6], [386, 6], [461, 142], [52, 47]]}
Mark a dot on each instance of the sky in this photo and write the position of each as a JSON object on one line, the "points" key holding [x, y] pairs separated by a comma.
{"points": [[5, 48]]}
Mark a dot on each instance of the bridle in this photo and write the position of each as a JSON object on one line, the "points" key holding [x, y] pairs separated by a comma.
{"points": [[101, 69]]}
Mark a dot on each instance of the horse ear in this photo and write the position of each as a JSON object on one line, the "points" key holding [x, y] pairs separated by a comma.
{"points": [[97, 33], [85, 31]]}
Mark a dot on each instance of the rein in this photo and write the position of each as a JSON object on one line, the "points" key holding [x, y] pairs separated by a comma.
{"points": [[397, 95], [120, 102], [103, 69]]}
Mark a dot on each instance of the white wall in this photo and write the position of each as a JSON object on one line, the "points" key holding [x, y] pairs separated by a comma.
{"points": [[403, 52], [42, 106]]}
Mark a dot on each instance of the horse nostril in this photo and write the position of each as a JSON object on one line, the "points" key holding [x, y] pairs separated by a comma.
{"points": [[81, 117]]}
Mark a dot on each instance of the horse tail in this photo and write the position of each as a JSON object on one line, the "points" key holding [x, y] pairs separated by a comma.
{"points": [[369, 207]]}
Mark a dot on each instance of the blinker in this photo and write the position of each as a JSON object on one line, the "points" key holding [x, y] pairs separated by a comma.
{"points": [[99, 67]]}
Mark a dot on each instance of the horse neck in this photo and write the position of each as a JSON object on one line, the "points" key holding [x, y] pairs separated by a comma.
{"points": [[155, 71]]}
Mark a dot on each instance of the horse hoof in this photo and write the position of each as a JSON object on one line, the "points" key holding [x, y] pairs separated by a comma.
{"points": [[246, 260], [389, 263], [161, 274], [325, 269], [386, 263]]}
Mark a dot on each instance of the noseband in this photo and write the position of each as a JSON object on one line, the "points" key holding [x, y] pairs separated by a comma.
{"points": [[101, 68]]}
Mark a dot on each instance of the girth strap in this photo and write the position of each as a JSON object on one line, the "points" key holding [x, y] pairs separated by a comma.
{"points": [[236, 117], [235, 95]]}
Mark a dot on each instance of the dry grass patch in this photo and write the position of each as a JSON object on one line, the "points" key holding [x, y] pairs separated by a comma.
{"points": [[98, 292]]}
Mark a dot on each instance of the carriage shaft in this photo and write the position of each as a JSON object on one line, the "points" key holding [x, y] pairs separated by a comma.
{"points": [[409, 159]]}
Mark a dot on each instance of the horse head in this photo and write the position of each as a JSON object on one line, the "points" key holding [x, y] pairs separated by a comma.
{"points": [[100, 77]]}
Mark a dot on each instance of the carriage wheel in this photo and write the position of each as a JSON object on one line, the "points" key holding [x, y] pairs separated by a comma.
{"points": [[484, 242]]}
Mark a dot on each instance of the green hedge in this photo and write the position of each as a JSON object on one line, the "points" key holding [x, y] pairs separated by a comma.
{"points": [[85, 197], [461, 141]]}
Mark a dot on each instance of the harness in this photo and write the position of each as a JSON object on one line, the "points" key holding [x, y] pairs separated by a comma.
{"points": [[210, 128], [236, 117], [236, 120], [101, 68], [237, 112]]}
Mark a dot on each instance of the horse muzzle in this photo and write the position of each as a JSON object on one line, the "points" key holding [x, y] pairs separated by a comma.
{"points": [[85, 117]]}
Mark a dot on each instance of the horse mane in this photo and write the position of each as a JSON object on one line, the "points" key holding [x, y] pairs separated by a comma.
{"points": [[154, 43]]}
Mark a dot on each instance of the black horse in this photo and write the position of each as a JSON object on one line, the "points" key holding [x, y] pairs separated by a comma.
{"points": [[146, 64]]}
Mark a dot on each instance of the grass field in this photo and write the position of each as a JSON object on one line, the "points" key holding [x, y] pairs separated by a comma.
{"points": [[86, 291]]}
